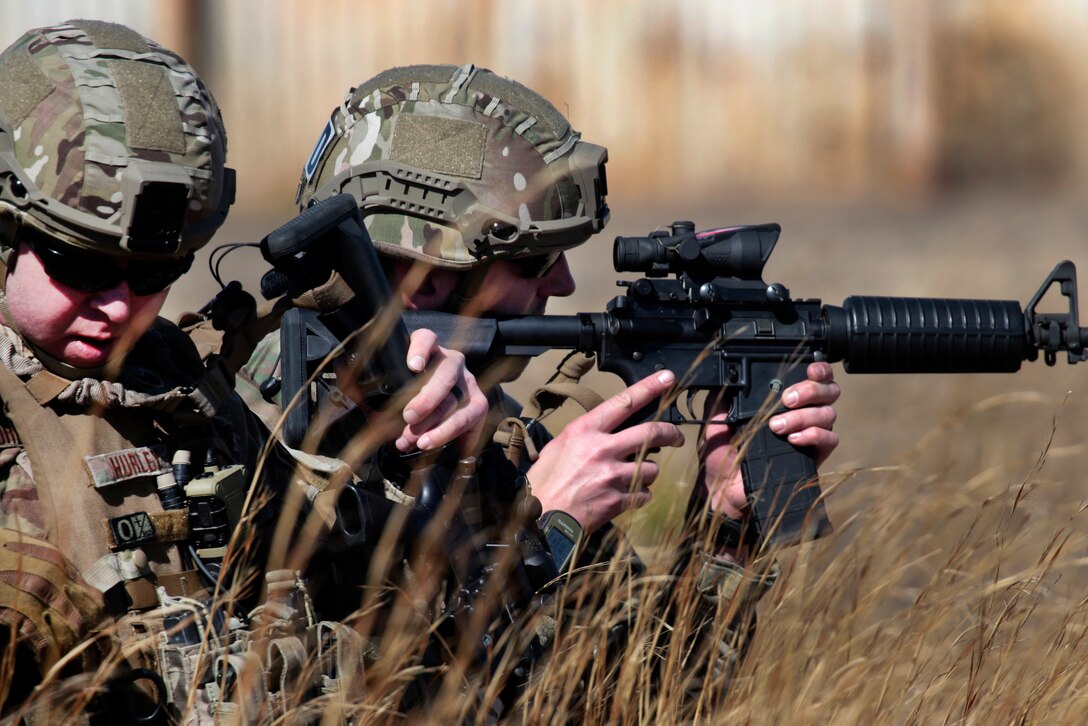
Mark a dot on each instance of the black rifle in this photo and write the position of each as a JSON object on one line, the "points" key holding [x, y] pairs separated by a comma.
{"points": [[721, 328]]}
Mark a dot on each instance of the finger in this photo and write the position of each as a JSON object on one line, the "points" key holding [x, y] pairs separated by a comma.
{"points": [[639, 475], [811, 417], [619, 408], [821, 372], [447, 378], [422, 345], [822, 440], [465, 419], [717, 430], [728, 497], [419, 426], [650, 435], [452, 419], [811, 393], [638, 499]]}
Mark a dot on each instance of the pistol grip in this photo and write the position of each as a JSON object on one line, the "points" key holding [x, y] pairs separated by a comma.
{"points": [[783, 488]]}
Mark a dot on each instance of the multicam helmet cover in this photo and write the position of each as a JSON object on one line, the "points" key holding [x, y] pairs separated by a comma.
{"points": [[109, 142], [457, 166]]}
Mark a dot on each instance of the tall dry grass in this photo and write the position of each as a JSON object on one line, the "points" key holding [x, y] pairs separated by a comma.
{"points": [[952, 591], [953, 588]]}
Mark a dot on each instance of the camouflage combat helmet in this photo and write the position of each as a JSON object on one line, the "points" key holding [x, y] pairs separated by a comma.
{"points": [[109, 142], [457, 166]]}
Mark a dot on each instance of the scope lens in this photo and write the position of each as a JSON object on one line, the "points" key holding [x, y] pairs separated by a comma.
{"points": [[637, 254]]}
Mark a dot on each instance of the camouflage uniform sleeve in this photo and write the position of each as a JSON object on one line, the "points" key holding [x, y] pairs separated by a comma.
{"points": [[262, 365], [20, 508], [45, 610]]}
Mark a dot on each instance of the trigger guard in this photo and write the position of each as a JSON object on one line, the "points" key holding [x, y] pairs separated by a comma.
{"points": [[689, 405]]}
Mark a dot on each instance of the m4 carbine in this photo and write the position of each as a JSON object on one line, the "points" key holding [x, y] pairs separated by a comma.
{"points": [[704, 312]]}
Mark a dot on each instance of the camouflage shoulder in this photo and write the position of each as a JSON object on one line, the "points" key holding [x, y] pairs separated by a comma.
{"points": [[20, 508], [262, 365]]}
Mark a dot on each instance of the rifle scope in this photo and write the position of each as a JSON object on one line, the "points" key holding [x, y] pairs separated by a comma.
{"points": [[739, 252]]}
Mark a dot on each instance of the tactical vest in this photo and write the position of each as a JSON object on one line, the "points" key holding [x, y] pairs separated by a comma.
{"points": [[95, 473]]}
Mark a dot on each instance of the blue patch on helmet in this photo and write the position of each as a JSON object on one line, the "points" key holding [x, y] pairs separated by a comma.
{"points": [[323, 141]]}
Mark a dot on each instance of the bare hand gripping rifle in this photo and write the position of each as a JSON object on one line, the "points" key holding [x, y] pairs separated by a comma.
{"points": [[704, 312]]}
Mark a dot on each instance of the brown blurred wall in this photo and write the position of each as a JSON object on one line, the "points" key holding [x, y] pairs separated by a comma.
{"points": [[842, 98]]}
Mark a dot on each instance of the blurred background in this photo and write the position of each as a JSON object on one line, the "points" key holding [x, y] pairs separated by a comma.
{"points": [[908, 147]]}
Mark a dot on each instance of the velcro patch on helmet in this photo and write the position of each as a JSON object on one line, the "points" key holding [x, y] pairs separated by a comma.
{"points": [[406, 76], [441, 145], [152, 117], [327, 135], [24, 85], [517, 96], [112, 35]]}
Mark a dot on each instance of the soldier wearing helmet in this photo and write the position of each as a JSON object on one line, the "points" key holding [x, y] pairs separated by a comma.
{"points": [[483, 184], [472, 187], [112, 175]]}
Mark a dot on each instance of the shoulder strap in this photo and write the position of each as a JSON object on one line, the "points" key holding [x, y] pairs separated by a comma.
{"points": [[565, 384], [226, 332], [41, 431]]}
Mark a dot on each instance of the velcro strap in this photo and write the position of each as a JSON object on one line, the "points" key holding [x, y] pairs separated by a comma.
{"points": [[212, 389], [286, 660], [341, 653], [513, 433], [171, 525], [329, 296], [553, 395], [44, 386], [182, 584], [248, 670], [319, 471], [111, 570], [513, 436], [141, 594]]}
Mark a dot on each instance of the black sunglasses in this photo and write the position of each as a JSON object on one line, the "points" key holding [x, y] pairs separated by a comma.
{"points": [[537, 265], [89, 272]]}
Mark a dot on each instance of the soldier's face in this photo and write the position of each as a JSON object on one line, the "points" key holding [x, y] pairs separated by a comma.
{"points": [[506, 290], [82, 329]]}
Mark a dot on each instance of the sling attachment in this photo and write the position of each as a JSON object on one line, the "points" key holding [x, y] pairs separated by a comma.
{"points": [[286, 672], [341, 658], [129, 568], [226, 331], [514, 433]]}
